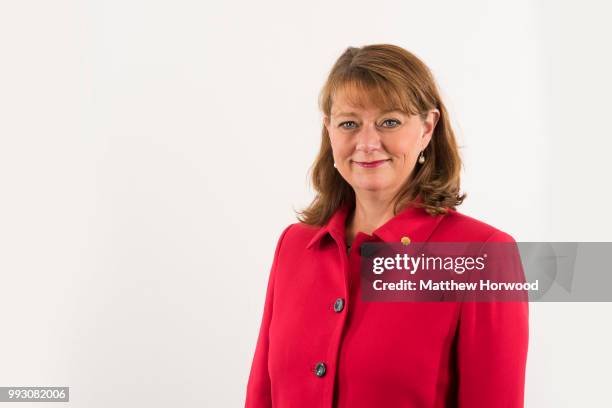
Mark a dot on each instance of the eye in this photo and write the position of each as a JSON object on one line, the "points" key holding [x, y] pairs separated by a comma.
{"points": [[392, 120], [341, 125]]}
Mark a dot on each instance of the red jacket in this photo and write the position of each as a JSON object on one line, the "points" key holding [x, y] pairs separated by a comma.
{"points": [[320, 346]]}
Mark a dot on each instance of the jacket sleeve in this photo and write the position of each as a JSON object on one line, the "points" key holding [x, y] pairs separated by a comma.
{"points": [[258, 393], [492, 349]]}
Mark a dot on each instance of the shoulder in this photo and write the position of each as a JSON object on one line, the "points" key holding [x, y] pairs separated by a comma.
{"points": [[296, 236], [457, 226]]}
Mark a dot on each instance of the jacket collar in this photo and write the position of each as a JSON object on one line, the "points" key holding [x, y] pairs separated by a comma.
{"points": [[412, 222]]}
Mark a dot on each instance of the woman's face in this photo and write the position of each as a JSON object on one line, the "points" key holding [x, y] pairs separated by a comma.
{"points": [[376, 151]]}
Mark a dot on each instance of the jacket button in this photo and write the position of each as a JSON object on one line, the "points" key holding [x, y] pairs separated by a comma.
{"points": [[320, 370], [338, 305]]}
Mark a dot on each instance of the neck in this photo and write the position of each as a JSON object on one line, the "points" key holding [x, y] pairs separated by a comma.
{"points": [[369, 214]]}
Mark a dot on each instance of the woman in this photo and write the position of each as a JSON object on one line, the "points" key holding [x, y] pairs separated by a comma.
{"points": [[388, 170]]}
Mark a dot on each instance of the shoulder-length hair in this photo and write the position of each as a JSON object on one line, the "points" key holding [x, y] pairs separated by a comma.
{"points": [[391, 78]]}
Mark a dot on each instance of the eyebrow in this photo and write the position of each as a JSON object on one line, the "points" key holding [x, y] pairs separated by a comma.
{"points": [[354, 114]]}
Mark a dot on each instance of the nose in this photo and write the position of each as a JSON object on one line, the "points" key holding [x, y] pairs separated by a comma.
{"points": [[368, 139]]}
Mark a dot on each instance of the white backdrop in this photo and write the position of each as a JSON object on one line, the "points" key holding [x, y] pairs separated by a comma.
{"points": [[151, 152]]}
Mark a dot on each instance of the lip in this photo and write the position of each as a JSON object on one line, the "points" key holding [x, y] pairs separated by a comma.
{"points": [[371, 164]]}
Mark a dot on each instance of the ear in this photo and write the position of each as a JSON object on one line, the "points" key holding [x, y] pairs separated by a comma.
{"points": [[327, 124], [429, 126]]}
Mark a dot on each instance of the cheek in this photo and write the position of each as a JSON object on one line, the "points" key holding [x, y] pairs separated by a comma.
{"points": [[404, 147], [341, 146]]}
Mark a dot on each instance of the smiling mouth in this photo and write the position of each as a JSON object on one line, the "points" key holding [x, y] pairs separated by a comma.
{"points": [[370, 164]]}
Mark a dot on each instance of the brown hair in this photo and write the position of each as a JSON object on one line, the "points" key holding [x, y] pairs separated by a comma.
{"points": [[391, 78]]}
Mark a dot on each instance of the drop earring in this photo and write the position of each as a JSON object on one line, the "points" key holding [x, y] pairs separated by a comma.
{"points": [[421, 158], [335, 165]]}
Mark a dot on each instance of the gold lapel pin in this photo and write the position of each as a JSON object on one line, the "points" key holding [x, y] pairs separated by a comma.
{"points": [[405, 240]]}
